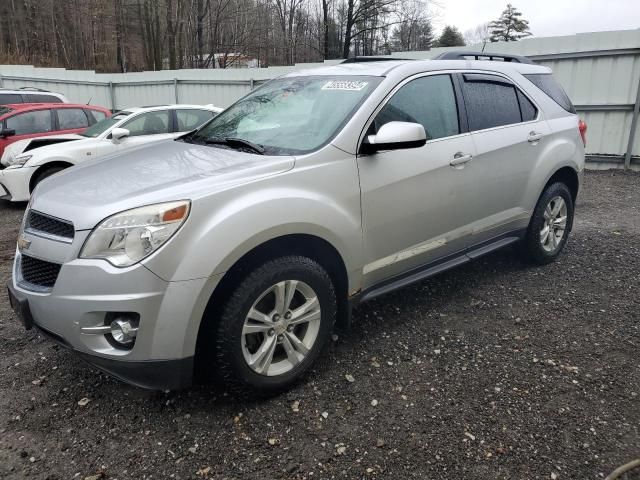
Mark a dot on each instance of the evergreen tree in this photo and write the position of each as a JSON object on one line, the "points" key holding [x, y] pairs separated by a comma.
{"points": [[510, 27], [451, 37], [412, 35]]}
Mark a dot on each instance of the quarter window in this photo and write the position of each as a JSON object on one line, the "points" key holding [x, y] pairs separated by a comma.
{"points": [[528, 110], [38, 121], [490, 103], [429, 101], [151, 123], [72, 118]]}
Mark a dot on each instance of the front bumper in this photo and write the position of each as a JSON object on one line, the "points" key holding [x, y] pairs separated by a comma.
{"points": [[86, 290], [14, 183]]}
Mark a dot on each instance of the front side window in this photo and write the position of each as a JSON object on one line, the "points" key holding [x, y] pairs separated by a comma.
{"points": [[429, 101], [71, 118], [102, 126], [190, 119], [490, 102], [290, 115], [38, 121], [151, 123]]}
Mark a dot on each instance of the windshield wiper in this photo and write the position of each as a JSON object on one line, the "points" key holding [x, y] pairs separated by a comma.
{"points": [[236, 142]]}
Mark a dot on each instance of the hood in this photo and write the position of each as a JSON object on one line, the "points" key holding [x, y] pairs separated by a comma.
{"points": [[165, 171]]}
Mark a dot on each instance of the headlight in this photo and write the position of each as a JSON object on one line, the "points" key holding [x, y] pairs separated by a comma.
{"points": [[17, 161], [128, 237]]}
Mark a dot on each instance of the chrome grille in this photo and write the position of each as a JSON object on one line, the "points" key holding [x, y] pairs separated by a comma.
{"points": [[39, 272], [38, 222]]}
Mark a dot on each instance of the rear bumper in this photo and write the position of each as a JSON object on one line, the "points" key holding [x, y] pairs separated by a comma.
{"points": [[152, 374]]}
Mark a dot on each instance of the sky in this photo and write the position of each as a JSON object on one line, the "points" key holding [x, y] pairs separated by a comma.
{"points": [[546, 17]]}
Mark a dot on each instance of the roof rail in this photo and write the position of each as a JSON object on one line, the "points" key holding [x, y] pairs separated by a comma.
{"points": [[34, 89], [464, 55], [373, 59]]}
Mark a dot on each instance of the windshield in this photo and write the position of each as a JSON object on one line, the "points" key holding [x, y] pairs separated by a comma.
{"points": [[289, 115], [103, 125]]}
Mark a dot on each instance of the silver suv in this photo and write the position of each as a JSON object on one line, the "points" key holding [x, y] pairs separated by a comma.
{"points": [[232, 251]]}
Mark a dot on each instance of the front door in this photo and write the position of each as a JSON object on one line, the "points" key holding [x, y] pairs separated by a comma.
{"points": [[414, 207]]}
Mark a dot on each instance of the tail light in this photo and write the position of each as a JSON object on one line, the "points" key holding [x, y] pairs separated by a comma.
{"points": [[582, 127]]}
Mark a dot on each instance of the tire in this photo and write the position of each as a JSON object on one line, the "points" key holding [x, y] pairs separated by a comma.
{"points": [[46, 173], [538, 248], [242, 343]]}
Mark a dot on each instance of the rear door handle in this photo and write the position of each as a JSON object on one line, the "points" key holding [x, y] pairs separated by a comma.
{"points": [[534, 137], [460, 159]]}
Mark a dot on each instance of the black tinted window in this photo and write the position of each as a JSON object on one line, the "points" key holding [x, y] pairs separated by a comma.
{"points": [[548, 84], [7, 98], [429, 101], [490, 103], [72, 118], [40, 98], [529, 111]]}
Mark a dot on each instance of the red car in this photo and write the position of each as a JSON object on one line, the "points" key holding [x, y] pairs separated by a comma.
{"points": [[28, 120]]}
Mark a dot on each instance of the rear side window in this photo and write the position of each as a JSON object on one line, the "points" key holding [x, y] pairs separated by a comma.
{"points": [[151, 123], [72, 118], [429, 101], [490, 102], [38, 121], [42, 98], [191, 119], [97, 114], [548, 84], [7, 98]]}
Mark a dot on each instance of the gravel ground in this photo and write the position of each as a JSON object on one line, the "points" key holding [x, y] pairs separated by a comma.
{"points": [[494, 370]]}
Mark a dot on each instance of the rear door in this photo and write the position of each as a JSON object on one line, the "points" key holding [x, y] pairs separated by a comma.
{"points": [[509, 135], [71, 120], [413, 201]]}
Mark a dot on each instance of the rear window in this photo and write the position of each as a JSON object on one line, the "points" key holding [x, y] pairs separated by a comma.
{"points": [[42, 98], [549, 85], [6, 98]]}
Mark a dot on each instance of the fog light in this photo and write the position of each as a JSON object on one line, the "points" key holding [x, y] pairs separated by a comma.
{"points": [[123, 332]]}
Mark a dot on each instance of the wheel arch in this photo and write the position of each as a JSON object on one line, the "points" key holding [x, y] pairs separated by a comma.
{"points": [[43, 168], [567, 175], [308, 245]]}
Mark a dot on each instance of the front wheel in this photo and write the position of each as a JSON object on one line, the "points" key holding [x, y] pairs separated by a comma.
{"points": [[550, 225], [274, 326]]}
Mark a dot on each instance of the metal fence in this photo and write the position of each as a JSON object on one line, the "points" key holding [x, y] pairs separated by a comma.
{"points": [[600, 71]]}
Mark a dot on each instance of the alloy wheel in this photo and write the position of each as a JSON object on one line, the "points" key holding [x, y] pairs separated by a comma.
{"points": [[554, 225]]}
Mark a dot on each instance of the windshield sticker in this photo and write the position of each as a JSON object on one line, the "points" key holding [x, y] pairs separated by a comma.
{"points": [[345, 85]]}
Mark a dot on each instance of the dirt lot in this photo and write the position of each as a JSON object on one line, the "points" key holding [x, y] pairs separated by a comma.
{"points": [[494, 370]]}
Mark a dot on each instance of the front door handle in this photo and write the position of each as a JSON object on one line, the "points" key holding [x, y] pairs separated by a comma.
{"points": [[534, 137], [460, 159]]}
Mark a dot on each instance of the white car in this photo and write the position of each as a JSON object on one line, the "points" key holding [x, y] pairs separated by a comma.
{"points": [[27, 162]]}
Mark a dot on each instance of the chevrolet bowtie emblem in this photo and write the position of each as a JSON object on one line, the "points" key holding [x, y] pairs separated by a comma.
{"points": [[23, 243]]}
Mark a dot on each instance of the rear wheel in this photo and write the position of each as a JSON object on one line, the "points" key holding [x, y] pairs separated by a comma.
{"points": [[274, 326], [45, 173], [550, 225]]}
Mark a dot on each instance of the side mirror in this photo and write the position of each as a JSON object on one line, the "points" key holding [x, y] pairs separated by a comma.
{"points": [[119, 134], [7, 132], [395, 136]]}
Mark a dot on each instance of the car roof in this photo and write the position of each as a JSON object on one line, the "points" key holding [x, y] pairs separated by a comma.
{"points": [[408, 67], [39, 106], [165, 107]]}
